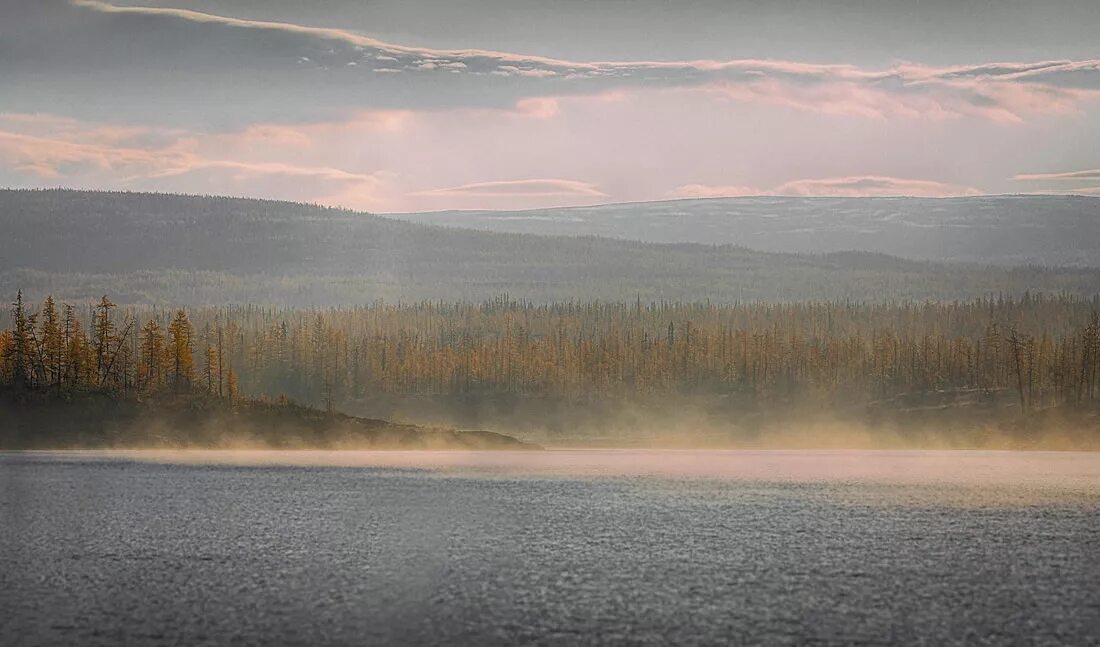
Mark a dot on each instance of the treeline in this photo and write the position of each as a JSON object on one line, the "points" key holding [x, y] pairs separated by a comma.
{"points": [[1040, 351], [56, 348]]}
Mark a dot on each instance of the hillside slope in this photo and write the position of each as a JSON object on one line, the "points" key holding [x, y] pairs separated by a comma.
{"points": [[88, 420], [1005, 230], [191, 250]]}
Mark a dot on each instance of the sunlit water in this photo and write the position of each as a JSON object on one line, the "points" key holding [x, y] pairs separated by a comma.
{"points": [[565, 547]]}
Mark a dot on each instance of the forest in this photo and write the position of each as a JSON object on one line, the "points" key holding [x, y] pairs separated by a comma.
{"points": [[1035, 353]]}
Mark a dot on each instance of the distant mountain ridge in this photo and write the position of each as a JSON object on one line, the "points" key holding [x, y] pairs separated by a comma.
{"points": [[1003, 230], [197, 250]]}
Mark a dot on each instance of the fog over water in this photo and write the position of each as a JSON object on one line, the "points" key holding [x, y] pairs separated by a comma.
{"points": [[558, 547], [1077, 472]]}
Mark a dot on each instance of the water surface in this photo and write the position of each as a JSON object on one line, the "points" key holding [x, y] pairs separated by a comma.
{"points": [[563, 547]]}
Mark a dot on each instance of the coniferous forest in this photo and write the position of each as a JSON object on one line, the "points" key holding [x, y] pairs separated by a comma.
{"points": [[388, 319], [1026, 355]]}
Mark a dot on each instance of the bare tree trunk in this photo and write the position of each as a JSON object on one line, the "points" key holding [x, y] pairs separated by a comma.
{"points": [[1014, 343]]}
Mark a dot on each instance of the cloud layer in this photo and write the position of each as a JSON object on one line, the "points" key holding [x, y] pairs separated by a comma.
{"points": [[854, 186], [98, 95], [128, 51], [1091, 174], [531, 188]]}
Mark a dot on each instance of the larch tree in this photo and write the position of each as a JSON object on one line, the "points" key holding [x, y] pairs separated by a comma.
{"points": [[53, 343], [103, 333], [20, 343], [183, 364], [231, 386], [210, 370], [153, 350]]}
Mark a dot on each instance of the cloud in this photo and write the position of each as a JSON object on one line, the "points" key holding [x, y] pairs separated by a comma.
{"points": [[382, 51], [711, 191], [52, 125], [538, 107], [1061, 179], [873, 185], [1091, 174], [623, 144], [51, 158], [165, 65], [66, 157], [247, 170], [853, 186], [526, 188]]}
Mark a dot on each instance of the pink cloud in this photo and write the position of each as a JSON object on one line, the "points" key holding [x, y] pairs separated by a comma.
{"points": [[247, 170], [538, 107], [551, 187], [557, 150], [318, 162], [873, 185], [853, 186], [711, 191], [1061, 179], [1090, 174], [995, 100], [66, 157], [48, 157], [39, 124]]}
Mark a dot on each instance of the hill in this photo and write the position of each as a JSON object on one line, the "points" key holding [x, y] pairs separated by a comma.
{"points": [[43, 420], [194, 250], [1004, 230]]}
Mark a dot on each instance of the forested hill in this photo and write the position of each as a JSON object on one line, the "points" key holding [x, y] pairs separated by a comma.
{"points": [[999, 229], [154, 248]]}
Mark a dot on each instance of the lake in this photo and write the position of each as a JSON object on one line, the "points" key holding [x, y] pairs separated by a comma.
{"points": [[557, 547]]}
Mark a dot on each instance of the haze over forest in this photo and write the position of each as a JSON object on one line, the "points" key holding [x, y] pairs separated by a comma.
{"points": [[569, 336], [585, 322]]}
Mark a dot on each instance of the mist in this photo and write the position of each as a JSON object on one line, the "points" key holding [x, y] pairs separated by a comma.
{"points": [[535, 322]]}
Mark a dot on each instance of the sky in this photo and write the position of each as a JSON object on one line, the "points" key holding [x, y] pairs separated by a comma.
{"points": [[395, 105]]}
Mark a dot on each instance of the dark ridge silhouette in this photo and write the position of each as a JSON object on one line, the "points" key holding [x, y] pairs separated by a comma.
{"points": [[997, 229], [41, 419], [196, 250]]}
